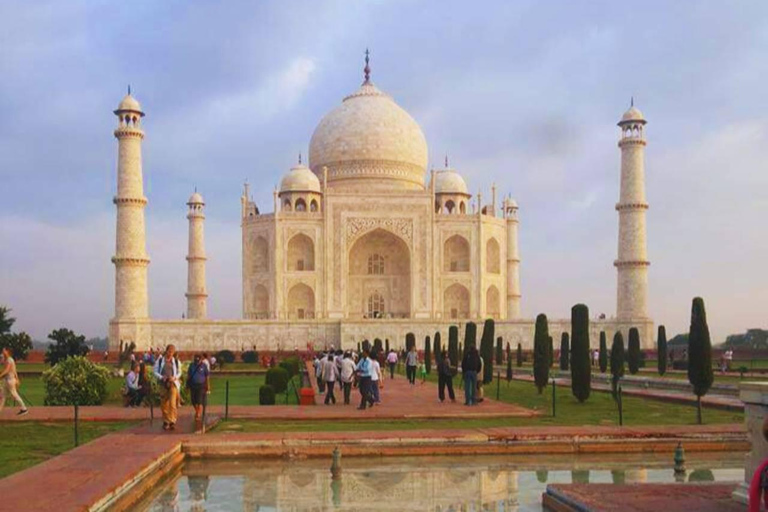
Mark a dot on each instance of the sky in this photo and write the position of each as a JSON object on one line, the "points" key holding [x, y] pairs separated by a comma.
{"points": [[524, 94]]}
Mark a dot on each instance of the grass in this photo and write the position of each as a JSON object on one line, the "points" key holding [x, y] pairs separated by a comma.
{"points": [[24, 444]]}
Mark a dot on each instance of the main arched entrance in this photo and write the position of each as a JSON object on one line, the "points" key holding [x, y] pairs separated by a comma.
{"points": [[379, 279]]}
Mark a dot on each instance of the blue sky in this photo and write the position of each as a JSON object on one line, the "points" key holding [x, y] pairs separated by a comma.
{"points": [[523, 94]]}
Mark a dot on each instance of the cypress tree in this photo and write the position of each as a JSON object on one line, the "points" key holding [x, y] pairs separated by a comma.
{"points": [[564, 352], [509, 362], [437, 347], [461, 350], [661, 350], [410, 341], [603, 356], [499, 357], [486, 350], [581, 368], [453, 345], [470, 336], [541, 340], [551, 352], [700, 373], [428, 354], [617, 362], [386, 345], [359, 350], [519, 355], [633, 351], [377, 347]]}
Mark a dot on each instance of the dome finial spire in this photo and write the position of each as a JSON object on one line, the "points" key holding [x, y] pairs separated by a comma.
{"points": [[367, 69], [299, 157]]}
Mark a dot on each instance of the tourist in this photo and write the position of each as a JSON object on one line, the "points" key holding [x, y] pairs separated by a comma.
{"points": [[376, 379], [318, 364], [445, 373], [132, 386], [728, 359], [198, 376], [9, 382], [392, 362], [168, 371], [423, 372], [330, 374], [470, 366], [347, 375], [364, 367], [207, 361], [411, 363]]}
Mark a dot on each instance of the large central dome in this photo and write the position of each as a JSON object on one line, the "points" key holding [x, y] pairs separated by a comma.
{"points": [[369, 142]]}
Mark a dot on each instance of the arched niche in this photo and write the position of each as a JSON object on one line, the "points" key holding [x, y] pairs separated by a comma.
{"points": [[456, 254], [301, 302], [492, 257], [301, 253], [456, 302]]}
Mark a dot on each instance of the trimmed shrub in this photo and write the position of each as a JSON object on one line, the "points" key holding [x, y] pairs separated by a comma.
{"points": [[225, 356], [266, 395], [75, 381], [565, 349], [250, 357], [551, 352], [367, 346], [617, 362], [453, 345], [700, 373], [509, 366], [359, 350], [278, 378], [541, 341], [519, 355], [486, 350], [661, 350], [603, 355], [428, 354], [386, 345], [581, 366], [377, 347], [470, 335], [292, 365], [437, 348], [410, 341], [633, 351], [68, 344], [499, 357]]}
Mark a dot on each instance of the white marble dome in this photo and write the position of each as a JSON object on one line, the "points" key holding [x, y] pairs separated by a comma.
{"points": [[448, 181], [632, 115], [369, 140], [129, 104], [300, 179]]}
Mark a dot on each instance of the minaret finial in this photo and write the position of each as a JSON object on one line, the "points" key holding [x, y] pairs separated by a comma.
{"points": [[367, 69], [631, 101], [299, 157], [446, 160]]}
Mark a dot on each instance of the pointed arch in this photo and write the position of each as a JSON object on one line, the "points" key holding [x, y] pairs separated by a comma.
{"points": [[301, 253], [260, 256], [492, 304], [301, 302], [456, 302], [492, 257], [261, 301], [456, 254]]}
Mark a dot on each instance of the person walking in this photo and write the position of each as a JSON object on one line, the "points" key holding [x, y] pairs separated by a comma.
{"points": [[330, 375], [347, 375], [376, 379], [445, 373], [470, 365], [392, 362], [364, 368], [198, 376], [318, 364], [168, 372], [9, 382], [411, 364]]}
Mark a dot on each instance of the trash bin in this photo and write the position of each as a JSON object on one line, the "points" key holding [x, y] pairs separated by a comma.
{"points": [[306, 396]]}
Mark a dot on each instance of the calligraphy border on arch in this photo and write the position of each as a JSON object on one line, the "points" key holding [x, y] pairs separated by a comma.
{"points": [[356, 227]]}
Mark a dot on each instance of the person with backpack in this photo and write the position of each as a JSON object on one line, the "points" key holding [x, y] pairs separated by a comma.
{"points": [[168, 373], [197, 382], [470, 366], [445, 374]]}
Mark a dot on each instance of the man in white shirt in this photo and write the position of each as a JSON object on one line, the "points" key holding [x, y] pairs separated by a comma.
{"points": [[330, 375], [347, 375], [392, 362], [375, 379]]}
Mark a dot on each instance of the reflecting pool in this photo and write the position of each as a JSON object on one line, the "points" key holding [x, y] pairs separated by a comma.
{"points": [[469, 483]]}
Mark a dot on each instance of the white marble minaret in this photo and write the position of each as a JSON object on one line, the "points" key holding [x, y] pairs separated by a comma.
{"points": [[130, 258], [632, 262], [197, 295], [513, 260]]}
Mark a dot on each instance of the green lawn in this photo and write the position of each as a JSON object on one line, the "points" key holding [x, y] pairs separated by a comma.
{"points": [[24, 444]]}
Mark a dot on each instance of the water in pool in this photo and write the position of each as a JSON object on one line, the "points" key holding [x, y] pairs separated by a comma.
{"points": [[469, 483]]}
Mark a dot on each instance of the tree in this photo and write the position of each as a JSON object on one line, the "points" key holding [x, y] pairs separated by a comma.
{"points": [[519, 355], [470, 335], [661, 350], [19, 343], [486, 350], [453, 345], [509, 365], [75, 381], [6, 321], [377, 347], [603, 355], [428, 354], [581, 368], [700, 373], [386, 345], [541, 340], [67, 344], [499, 356], [438, 349], [410, 341], [551, 352], [617, 362], [564, 352], [633, 351]]}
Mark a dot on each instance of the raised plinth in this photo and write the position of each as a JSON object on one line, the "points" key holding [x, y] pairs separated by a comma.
{"points": [[755, 398]]}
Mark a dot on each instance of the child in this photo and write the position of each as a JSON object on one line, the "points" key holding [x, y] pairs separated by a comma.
{"points": [[423, 372]]}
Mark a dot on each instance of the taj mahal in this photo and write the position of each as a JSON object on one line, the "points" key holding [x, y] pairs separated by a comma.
{"points": [[363, 242]]}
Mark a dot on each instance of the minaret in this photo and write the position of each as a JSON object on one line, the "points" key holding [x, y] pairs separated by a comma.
{"points": [[197, 295], [632, 263], [130, 258], [513, 260]]}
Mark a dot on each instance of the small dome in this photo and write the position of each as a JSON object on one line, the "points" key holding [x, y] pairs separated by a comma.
{"points": [[300, 179], [129, 103], [195, 199], [632, 115], [449, 181], [512, 203]]}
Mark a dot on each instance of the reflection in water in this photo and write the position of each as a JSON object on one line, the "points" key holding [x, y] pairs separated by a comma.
{"points": [[439, 484]]}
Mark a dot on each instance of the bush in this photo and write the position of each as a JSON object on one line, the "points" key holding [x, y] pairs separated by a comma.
{"points": [[603, 355], [250, 357], [292, 365], [633, 351], [661, 348], [75, 381], [277, 378], [225, 356], [541, 341], [428, 354], [565, 349], [486, 350], [68, 344], [266, 395], [581, 366], [453, 345]]}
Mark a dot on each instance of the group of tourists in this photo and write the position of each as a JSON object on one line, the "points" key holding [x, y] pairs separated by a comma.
{"points": [[350, 370], [10, 382]]}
